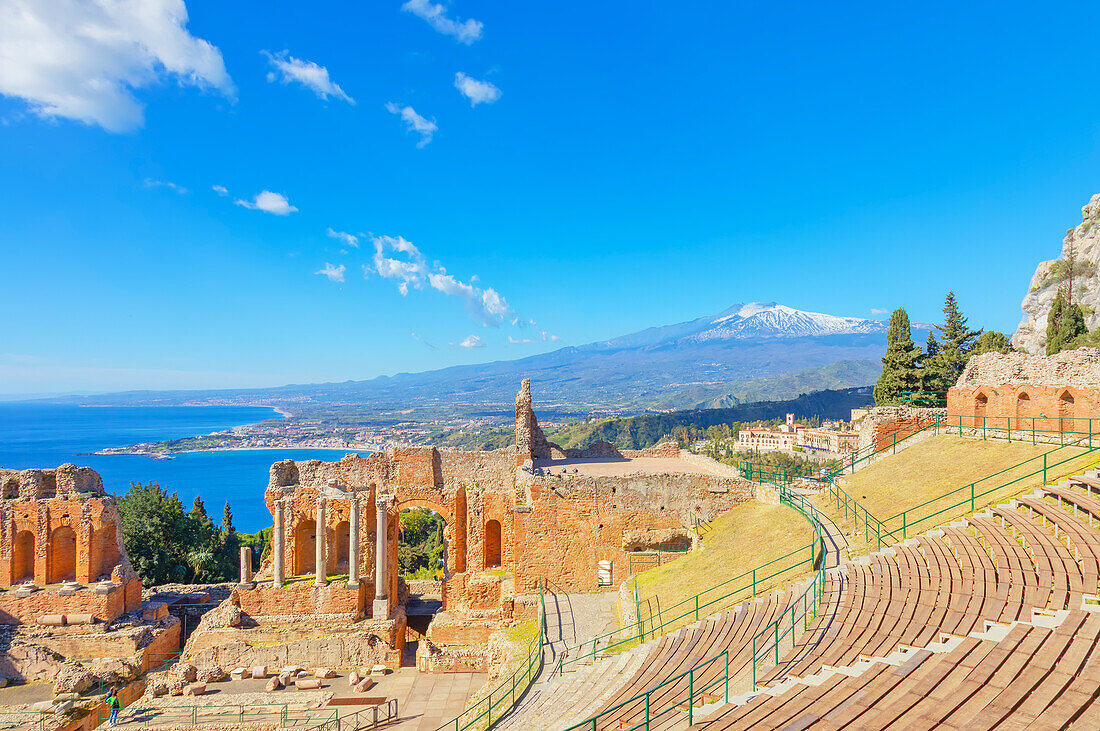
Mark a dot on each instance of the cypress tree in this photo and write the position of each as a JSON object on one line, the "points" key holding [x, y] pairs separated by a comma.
{"points": [[1065, 323], [956, 341], [227, 520], [899, 366]]}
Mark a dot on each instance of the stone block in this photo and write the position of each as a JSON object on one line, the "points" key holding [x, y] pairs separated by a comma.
{"points": [[353, 678], [379, 670], [363, 685], [80, 618], [290, 670], [63, 707], [3, 682], [153, 611], [42, 707], [324, 673], [238, 673], [307, 684], [259, 672], [364, 672], [195, 689], [52, 620], [62, 697], [275, 683]]}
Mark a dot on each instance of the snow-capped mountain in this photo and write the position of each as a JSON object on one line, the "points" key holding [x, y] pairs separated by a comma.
{"points": [[746, 321]]}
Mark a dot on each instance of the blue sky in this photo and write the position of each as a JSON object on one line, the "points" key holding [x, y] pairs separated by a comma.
{"points": [[604, 167]]}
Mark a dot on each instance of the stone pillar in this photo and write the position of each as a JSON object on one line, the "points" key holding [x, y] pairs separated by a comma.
{"points": [[353, 545], [278, 549], [246, 566], [381, 602], [319, 555]]}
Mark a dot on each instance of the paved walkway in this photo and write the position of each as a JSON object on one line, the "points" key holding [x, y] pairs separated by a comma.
{"points": [[425, 701]]}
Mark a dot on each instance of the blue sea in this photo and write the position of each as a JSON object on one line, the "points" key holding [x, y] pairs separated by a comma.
{"points": [[48, 435]]}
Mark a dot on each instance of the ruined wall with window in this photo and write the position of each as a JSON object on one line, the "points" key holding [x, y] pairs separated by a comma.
{"points": [[59, 535], [1018, 391]]}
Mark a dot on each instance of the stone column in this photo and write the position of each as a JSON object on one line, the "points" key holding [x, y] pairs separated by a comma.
{"points": [[319, 555], [246, 566], [353, 545], [277, 538], [381, 602]]}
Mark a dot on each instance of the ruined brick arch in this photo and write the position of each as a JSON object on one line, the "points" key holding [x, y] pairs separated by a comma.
{"points": [[305, 547], [22, 559], [104, 551], [981, 405], [1023, 410], [492, 544], [455, 530], [338, 560], [62, 555], [1066, 407]]}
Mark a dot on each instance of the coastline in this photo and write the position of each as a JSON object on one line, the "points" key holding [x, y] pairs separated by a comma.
{"points": [[351, 449]]}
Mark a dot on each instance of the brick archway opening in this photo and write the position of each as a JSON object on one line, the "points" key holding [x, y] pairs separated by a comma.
{"points": [[305, 548], [1023, 411], [62, 555], [422, 559], [1066, 411], [338, 562], [492, 544], [981, 404], [22, 560]]}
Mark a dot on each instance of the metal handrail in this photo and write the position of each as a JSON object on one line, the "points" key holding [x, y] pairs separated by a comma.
{"points": [[511, 689]]}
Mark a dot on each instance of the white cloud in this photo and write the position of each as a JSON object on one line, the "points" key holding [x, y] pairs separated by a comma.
{"points": [[334, 273], [154, 183], [878, 311], [349, 239], [220, 190], [414, 122], [397, 258], [268, 202], [288, 69], [85, 59], [472, 341], [466, 31], [519, 341], [409, 271], [478, 92]]}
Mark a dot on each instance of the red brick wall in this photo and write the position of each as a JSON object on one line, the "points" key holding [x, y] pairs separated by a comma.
{"points": [[1019, 405], [302, 598]]}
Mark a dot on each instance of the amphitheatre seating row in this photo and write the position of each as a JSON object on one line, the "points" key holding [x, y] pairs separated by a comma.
{"points": [[610, 681], [998, 566]]}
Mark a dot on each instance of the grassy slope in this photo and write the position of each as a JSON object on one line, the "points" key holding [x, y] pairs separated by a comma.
{"points": [[744, 538], [943, 463]]}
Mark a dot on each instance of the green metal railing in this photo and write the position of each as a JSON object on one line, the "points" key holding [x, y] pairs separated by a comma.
{"points": [[279, 713], [969, 497], [645, 699], [652, 559], [501, 699], [692, 609], [24, 719], [766, 645], [923, 398]]}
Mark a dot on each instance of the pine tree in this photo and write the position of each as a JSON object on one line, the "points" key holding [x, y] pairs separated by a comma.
{"points": [[990, 341], [956, 340], [1065, 324], [899, 366]]}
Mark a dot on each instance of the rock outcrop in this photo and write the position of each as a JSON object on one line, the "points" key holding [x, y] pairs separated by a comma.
{"points": [[1084, 241]]}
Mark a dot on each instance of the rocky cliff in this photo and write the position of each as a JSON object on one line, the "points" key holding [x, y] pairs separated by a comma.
{"points": [[1085, 242]]}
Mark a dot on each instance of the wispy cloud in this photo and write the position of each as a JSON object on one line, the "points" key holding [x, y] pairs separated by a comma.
{"points": [[334, 273], [471, 341], [399, 259], [466, 31], [519, 341], [878, 311], [424, 342], [268, 202], [85, 60], [414, 122], [478, 92], [220, 190], [349, 239], [154, 183], [287, 69]]}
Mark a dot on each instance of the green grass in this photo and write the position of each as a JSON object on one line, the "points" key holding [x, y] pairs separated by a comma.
{"points": [[939, 465], [745, 537]]}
